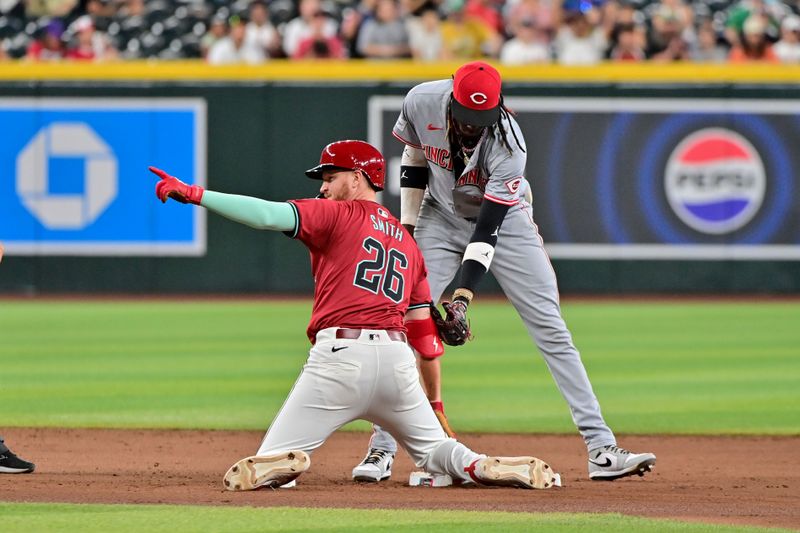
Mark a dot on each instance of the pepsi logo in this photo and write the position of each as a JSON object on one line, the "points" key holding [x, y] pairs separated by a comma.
{"points": [[478, 98], [715, 181]]}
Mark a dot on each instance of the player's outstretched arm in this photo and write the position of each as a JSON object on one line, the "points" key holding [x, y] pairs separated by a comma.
{"points": [[253, 212]]}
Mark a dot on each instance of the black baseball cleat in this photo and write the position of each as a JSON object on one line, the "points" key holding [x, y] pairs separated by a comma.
{"points": [[11, 464]]}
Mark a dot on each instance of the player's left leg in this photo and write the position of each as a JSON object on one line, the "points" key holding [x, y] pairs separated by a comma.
{"points": [[401, 407]]}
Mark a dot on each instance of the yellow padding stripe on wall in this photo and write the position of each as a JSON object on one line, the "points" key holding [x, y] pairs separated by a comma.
{"points": [[383, 71]]}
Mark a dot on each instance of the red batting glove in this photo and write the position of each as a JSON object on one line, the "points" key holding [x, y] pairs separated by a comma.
{"points": [[172, 187]]}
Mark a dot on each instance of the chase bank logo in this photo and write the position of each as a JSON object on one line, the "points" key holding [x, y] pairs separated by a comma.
{"points": [[715, 181], [72, 153]]}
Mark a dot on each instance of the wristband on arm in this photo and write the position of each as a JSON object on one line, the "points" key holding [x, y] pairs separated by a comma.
{"points": [[480, 251]]}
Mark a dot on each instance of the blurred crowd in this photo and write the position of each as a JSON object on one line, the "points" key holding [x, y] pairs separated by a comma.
{"points": [[569, 32]]}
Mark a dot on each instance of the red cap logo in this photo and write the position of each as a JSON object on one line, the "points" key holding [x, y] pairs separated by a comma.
{"points": [[476, 85]]}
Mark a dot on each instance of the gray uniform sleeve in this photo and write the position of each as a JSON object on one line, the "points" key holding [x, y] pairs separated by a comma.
{"points": [[404, 127], [506, 170]]}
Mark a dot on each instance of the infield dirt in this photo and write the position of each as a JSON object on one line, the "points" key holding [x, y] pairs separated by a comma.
{"points": [[728, 480]]}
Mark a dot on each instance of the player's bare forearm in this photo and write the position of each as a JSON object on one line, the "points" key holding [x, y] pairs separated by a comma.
{"points": [[430, 371]]}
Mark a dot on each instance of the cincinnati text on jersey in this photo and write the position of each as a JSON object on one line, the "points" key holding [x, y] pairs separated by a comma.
{"points": [[438, 156], [473, 177]]}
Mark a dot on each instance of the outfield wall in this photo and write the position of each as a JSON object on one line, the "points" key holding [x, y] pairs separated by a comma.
{"points": [[645, 179]]}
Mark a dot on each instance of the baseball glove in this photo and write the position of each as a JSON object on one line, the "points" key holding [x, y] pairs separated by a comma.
{"points": [[453, 327]]}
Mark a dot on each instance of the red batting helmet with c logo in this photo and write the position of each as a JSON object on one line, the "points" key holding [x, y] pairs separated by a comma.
{"points": [[352, 155]]}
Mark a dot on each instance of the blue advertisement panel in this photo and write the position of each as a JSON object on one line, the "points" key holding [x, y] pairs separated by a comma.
{"points": [[74, 178], [653, 178]]}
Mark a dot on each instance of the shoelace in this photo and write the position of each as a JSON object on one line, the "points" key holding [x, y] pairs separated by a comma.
{"points": [[616, 449], [375, 456]]}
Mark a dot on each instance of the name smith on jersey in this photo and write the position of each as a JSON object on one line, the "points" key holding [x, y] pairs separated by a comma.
{"points": [[386, 227]]}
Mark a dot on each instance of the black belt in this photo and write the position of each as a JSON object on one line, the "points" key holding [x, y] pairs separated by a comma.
{"points": [[349, 333]]}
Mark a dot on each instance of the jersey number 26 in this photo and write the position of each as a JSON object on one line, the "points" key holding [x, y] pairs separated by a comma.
{"points": [[381, 272]]}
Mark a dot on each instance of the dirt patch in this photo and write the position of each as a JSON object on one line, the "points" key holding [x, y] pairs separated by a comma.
{"points": [[730, 480]]}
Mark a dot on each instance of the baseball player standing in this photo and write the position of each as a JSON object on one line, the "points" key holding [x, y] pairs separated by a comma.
{"points": [[10, 463], [371, 297], [465, 199]]}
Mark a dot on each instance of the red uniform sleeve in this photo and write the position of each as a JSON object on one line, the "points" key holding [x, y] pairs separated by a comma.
{"points": [[316, 219]]}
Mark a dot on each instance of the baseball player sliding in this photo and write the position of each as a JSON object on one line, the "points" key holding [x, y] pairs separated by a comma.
{"points": [[465, 199], [371, 297]]}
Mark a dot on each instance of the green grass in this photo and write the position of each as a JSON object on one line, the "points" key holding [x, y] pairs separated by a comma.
{"points": [[656, 367], [163, 518]]}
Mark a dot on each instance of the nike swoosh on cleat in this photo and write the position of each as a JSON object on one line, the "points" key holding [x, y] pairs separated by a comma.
{"points": [[602, 465], [431, 127], [337, 348]]}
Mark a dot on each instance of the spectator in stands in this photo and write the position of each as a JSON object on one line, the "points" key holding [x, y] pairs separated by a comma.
{"points": [[49, 8], [669, 36], [753, 44], [487, 11], [465, 38], [529, 46], [299, 28], [90, 44], [260, 31], [628, 43], [385, 36], [582, 38], [317, 45], [707, 48], [234, 49], [100, 8], [130, 8], [674, 10], [48, 46], [539, 10], [353, 19], [741, 11], [425, 34], [788, 48], [3, 50], [217, 32]]}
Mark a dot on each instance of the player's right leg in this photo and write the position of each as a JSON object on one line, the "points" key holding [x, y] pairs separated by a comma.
{"points": [[523, 269], [330, 392]]}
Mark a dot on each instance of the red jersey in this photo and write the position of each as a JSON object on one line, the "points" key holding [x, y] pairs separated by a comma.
{"points": [[367, 269]]}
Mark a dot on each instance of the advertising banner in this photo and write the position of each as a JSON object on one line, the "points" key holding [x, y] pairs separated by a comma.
{"points": [[651, 178], [74, 179]]}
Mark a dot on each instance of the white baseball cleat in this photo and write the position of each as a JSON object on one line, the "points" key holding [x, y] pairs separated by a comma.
{"points": [[271, 471], [524, 472], [611, 462], [376, 466]]}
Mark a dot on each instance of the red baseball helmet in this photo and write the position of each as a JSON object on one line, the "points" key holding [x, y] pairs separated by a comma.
{"points": [[352, 155]]}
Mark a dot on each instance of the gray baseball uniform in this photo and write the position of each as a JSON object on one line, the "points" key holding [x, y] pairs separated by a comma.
{"points": [[494, 172]]}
